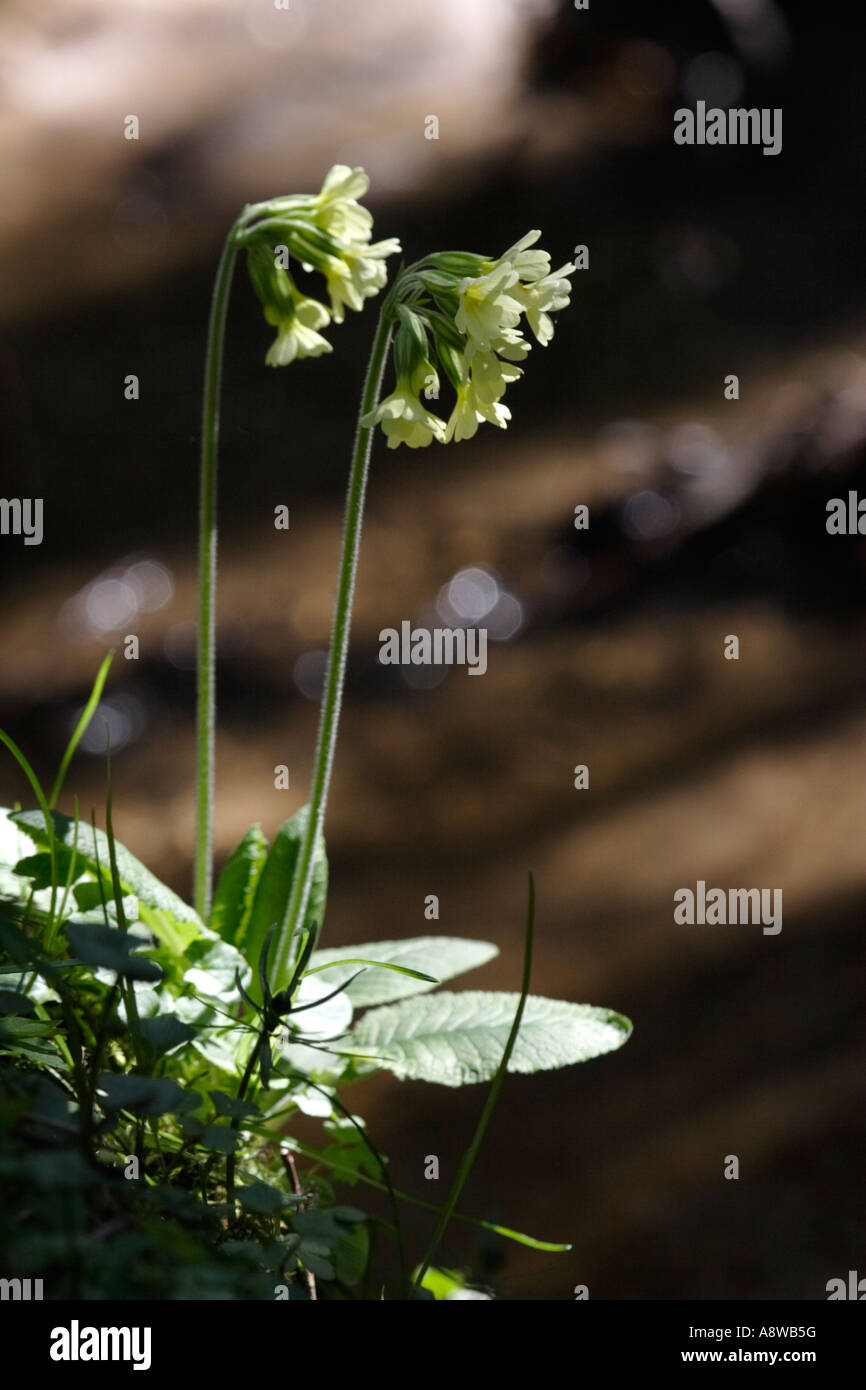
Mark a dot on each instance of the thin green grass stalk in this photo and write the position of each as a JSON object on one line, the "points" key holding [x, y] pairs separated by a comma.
{"points": [[519, 1238], [46, 805], [468, 1160], [73, 858], [116, 888], [100, 883], [80, 728], [385, 965], [332, 698]]}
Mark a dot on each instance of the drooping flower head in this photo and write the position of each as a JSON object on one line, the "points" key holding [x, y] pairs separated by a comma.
{"points": [[404, 419], [470, 308], [328, 232]]}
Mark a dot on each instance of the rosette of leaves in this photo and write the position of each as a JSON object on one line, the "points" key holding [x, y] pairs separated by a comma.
{"points": [[161, 1038]]}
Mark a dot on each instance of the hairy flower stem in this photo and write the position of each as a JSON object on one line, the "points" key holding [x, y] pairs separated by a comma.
{"points": [[205, 666], [335, 677]]}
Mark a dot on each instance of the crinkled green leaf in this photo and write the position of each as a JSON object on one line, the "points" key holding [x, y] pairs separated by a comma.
{"points": [[92, 908], [93, 904], [314, 1021], [458, 1039], [274, 886], [440, 956], [172, 920], [236, 887], [214, 968], [225, 1045], [36, 867], [13, 848]]}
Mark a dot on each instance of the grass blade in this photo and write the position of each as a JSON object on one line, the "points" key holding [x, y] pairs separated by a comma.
{"points": [[468, 1160], [54, 926], [86, 715], [379, 964], [519, 1237]]}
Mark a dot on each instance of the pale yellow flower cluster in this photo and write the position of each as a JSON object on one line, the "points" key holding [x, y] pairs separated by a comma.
{"points": [[461, 310], [477, 335], [328, 232]]}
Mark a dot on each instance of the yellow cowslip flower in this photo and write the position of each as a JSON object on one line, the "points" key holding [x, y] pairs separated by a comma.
{"points": [[336, 209], [472, 308], [487, 307], [405, 420], [541, 297], [470, 410], [491, 376], [356, 274], [530, 265], [296, 331]]}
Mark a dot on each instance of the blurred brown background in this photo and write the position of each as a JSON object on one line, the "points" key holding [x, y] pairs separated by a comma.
{"points": [[707, 518]]}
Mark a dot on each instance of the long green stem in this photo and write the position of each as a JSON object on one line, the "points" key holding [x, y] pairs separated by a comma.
{"points": [[468, 1160], [335, 677], [346, 1170], [205, 669]]}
